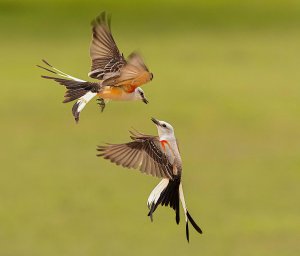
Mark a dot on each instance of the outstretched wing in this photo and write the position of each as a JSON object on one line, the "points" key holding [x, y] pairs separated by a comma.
{"points": [[135, 73], [143, 153], [106, 57]]}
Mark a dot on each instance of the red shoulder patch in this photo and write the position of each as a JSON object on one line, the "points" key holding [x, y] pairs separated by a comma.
{"points": [[163, 144]]}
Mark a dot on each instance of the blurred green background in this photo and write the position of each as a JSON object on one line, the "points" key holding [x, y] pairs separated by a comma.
{"points": [[226, 76]]}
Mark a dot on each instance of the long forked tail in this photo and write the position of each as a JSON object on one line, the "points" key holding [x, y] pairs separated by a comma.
{"points": [[188, 217], [76, 88], [168, 192]]}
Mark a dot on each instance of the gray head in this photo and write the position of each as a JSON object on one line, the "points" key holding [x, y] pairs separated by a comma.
{"points": [[164, 129], [140, 95]]}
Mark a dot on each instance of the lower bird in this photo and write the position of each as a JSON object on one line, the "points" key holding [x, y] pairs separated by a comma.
{"points": [[157, 156]]}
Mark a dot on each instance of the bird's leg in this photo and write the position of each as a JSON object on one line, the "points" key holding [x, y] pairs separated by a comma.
{"points": [[101, 103]]}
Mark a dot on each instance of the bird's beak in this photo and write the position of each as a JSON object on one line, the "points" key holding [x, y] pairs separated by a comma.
{"points": [[145, 100], [155, 121]]}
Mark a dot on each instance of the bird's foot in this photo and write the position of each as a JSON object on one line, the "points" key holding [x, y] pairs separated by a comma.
{"points": [[101, 103]]}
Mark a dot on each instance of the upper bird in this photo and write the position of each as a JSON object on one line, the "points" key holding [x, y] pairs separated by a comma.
{"points": [[158, 156], [119, 78]]}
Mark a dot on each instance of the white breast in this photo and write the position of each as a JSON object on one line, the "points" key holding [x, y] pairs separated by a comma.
{"points": [[171, 150]]}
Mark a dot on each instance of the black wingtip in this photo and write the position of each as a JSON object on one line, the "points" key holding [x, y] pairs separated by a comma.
{"points": [[193, 223]]}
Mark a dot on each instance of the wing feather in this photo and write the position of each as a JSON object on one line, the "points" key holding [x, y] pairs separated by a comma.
{"points": [[143, 152], [134, 70], [105, 55]]}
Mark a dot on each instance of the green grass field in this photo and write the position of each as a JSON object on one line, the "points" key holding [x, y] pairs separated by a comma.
{"points": [[226, 76]]}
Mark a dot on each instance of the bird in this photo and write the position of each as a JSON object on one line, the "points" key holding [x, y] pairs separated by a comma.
{"points": [[157, 156], [119, 79]]}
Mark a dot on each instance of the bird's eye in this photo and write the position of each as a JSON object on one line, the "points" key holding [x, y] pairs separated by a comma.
{"points": [[164, 125]]}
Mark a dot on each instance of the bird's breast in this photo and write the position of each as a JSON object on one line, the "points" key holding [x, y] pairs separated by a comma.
{"points": [[171, 151], [114, 93]]}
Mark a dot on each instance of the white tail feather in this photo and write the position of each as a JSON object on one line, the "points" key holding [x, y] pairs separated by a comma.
{"points": [[84, 100], [155, 194], [181, 196], [59, 72], [81, 103]]}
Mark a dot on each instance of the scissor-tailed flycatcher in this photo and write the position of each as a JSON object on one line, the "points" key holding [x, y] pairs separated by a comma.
{"points": [[119, 79], [158, 156]]}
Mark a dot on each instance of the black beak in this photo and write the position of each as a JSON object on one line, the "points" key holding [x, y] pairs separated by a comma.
{"points": [[145, 100], [155, 121]]}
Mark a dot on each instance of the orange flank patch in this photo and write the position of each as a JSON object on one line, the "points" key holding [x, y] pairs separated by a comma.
{"points": [[110, 93], [117, 89]]}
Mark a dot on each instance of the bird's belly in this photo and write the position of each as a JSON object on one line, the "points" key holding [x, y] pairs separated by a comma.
{"points": [[114, 93]]}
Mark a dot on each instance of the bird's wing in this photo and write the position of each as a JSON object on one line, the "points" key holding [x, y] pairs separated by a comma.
{"points": [[106, 57], [134, 73], [143, 153]]}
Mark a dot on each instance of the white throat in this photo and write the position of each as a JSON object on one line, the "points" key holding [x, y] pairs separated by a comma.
{"points": [[169, 136]]}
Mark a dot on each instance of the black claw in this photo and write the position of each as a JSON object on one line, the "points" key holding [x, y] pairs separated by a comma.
{"points": [[101, 103]]}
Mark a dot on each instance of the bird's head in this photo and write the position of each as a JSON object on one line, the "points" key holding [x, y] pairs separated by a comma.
{"points": [[140, 95], [164, 129]]}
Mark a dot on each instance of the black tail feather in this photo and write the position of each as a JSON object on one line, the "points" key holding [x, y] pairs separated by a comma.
{"points": [[152, 209], [168, 197], [187, 231], [73, 95], [193, 223], [75, 112], [47, 63], [75, 88], [177, 212], [46, 69]]}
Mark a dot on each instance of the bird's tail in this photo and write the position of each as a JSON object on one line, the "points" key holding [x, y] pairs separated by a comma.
{"points": [[81, 103], [77, 89], [168, 192], [188, 217], [165, 193]]}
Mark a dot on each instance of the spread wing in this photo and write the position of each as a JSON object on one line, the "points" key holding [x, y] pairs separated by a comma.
{"points": [[106, 57], [143, 153], [134, 71]]}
